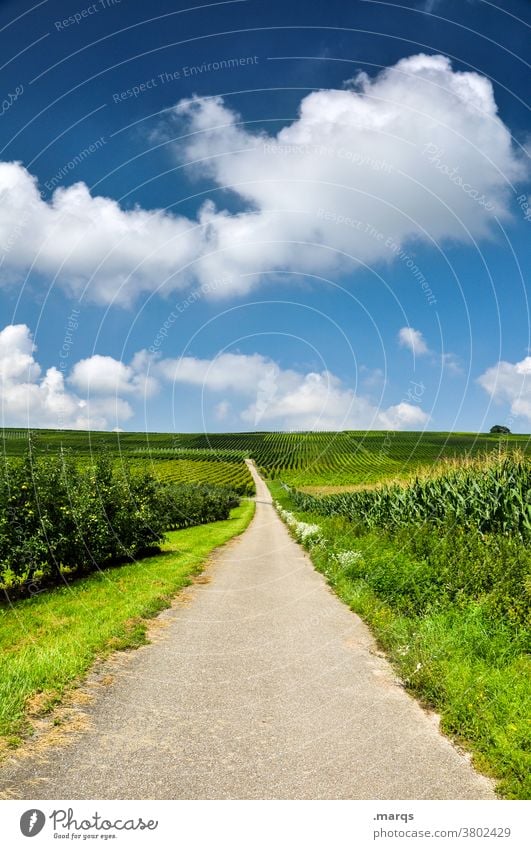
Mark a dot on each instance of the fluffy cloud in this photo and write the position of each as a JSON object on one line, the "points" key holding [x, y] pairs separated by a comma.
{"points": [[510, 383], [413, 339], [402, 416], [235, 372], [285, 398], [30, 398], [416, 153], [106, 376], [85, 240], [92, 395]]}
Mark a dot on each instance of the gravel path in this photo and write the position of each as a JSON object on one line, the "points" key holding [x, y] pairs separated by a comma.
{"points": [[259, 684]]}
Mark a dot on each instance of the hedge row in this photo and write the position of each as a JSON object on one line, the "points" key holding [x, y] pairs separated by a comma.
{"points": [[57, 518]]}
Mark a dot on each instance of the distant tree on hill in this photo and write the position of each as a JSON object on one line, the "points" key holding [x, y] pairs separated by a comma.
{"points": [[499, 429]]}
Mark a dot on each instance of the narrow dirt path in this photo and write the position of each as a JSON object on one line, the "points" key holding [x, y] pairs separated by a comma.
{"points": [[261, 685]]}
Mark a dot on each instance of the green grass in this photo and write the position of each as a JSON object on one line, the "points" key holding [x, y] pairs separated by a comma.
{"points": [[452, 645], [48, 642], [471, 669]]}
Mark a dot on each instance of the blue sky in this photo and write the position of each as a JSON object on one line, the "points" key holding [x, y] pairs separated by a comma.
{"points": [[254, 215]]}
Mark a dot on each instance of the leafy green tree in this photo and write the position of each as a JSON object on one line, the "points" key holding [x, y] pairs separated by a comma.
{"points": [[59, 519]]}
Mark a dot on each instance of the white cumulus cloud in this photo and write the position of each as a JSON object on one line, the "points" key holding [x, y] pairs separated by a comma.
{"points": [[85, 240], [413, 339], [103, 375], [31, 398], [418, 152], [100, 392], [510, 383], [285, 398]]}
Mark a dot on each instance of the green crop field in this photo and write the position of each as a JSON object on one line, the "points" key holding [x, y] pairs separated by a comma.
{"points": [[322, 461], [234, 475]]}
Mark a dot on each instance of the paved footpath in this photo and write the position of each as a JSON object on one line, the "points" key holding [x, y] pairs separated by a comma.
{"points": [[261, 685]]}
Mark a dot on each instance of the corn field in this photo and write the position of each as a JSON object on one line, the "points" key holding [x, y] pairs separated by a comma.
{"points": [[493, 495]]}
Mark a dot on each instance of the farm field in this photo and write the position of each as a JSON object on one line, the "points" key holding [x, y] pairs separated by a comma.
{"points": [[198, 468], [317, 462]]}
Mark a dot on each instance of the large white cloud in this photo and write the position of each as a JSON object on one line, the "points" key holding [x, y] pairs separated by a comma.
{"points": [[510, 383], [285, 398], [418, 152], [82, 239]]}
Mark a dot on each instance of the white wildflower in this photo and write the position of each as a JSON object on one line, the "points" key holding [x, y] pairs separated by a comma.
{"points": [[305, 531], [344, 559], [302, 530]]}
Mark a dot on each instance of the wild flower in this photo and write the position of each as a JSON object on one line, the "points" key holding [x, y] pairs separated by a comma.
{"points": [[303, 531], [344, 559]]}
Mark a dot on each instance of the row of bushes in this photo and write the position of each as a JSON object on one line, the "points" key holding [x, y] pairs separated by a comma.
{"points": [[186, 504], [57, 518]]}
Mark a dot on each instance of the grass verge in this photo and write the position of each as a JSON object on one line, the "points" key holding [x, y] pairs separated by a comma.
{"points": [[457, 654], [48, 642]]}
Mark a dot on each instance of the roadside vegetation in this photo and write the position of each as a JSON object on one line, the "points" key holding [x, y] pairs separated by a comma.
{"points": [[49, 641], [441, 571]]}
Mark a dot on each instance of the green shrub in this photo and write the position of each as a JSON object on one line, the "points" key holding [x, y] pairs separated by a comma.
{"points": [[57, 519], [186, 504]]}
